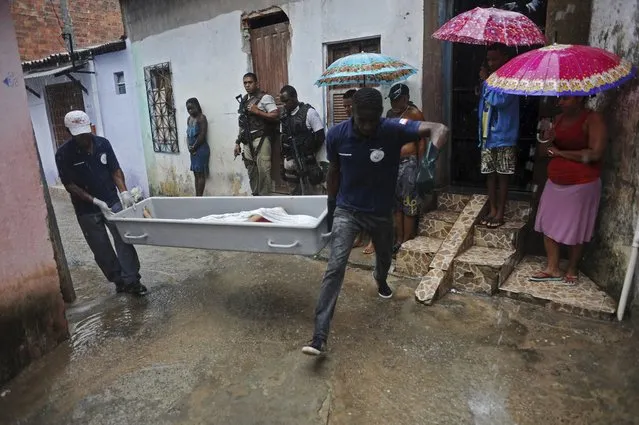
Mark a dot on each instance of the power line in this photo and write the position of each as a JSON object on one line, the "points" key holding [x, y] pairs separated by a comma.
{"points": [[60, 25]]}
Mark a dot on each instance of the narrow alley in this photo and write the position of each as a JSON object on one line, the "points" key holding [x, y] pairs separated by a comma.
{"points": [[217, 341]]}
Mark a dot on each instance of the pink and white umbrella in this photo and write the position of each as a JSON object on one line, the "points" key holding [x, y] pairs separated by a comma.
{"points": [[489, 26], [561, 70]]}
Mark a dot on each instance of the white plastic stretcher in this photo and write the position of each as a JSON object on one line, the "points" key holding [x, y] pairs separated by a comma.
{"points": [[174, 222]]}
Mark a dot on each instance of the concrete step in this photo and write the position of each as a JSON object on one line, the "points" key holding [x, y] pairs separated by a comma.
{"points": [[414, 257], [437, 223], [481, 270], [585, 299], [508, 236], [452, 201]]}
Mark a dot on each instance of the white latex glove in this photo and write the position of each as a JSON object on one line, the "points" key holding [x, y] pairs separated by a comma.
{"points": [[127, 199], [103, 206]]}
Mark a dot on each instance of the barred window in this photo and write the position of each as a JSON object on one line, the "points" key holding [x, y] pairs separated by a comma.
{"points": [[159, 94]]}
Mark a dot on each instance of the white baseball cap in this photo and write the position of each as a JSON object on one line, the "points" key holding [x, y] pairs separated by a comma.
{"points": [[77, 122]]}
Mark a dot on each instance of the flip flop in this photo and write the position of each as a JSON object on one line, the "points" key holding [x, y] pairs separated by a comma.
{"points": [[369, 250], [545, 277], [570, 280], [494, 223], [485, 219]]}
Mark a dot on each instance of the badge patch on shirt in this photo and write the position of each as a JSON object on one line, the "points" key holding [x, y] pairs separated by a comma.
{"points": [[103, 159], [377, 155], [403, 121]]}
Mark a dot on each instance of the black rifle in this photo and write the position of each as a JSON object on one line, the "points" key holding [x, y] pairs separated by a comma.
{"points": [[300, 163], [245, 128]]}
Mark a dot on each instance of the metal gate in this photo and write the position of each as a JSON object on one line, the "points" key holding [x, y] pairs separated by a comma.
{"points": [[62, 98]]}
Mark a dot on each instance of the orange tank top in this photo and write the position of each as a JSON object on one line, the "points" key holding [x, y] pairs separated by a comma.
{"points": [[572, 137]]}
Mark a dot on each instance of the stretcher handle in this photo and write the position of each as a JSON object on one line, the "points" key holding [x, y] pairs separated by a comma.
{"points": [[127, 235], [291, 245]]}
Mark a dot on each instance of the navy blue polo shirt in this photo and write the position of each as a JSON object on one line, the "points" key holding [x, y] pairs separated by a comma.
{"points": [[92, 172], [369, 166]]}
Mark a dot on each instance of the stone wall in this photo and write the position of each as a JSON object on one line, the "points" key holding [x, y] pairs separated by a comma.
{"points": [[615, 28], [39, 25], [32, 320]]}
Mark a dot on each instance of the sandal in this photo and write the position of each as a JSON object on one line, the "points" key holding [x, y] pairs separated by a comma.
{"points": [[358, 241], [370, 249], [570, 280], [494, 223], [545, 277], [485, 219]]}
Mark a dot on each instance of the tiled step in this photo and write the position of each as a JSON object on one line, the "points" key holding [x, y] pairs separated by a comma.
{"points": [[437, 224], [508, 236], [414, 257], [517, 211], [452, 201], [584, 299], [482, 270]]}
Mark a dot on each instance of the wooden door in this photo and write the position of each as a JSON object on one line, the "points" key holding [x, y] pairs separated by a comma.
{"points": [[269, 50], [62, 98]]}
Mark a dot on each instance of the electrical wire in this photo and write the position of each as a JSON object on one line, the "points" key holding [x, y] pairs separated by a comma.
{"points": [[64, 45]]}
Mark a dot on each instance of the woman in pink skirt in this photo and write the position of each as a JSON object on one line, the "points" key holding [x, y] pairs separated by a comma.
{"points": [[570, 200]]}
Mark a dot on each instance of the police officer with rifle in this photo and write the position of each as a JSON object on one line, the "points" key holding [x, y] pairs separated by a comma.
{"points": [[258, 121], [302, 136]]}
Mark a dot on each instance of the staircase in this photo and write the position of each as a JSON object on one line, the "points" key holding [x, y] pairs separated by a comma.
{"points": [[494, 253], [476, 259], [415, 256]]}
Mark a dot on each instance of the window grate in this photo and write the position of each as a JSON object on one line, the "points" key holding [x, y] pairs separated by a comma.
{"points": [[159, 94]]}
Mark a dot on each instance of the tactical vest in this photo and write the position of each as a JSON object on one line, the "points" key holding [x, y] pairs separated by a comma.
{"points": [[256, 126], [295, 130], [295, 126]]}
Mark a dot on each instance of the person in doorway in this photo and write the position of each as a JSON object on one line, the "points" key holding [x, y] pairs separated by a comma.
{"points": [[347, 102], [258, 119], [570, 200], [363, 155], [498, 134], [406, 197], [302, 137], [196, 132], [90, 172]]}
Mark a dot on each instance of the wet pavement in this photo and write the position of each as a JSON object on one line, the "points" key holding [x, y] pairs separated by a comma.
{"points": [[218, 338]]}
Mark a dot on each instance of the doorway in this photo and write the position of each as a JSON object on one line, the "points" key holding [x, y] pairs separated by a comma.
{"points": [[62, 98], [270, 40], [466, 62]]}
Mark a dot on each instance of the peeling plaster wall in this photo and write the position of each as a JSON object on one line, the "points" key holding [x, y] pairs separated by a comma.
{"points": [[209, 55], [615, 27], [32, 320]]}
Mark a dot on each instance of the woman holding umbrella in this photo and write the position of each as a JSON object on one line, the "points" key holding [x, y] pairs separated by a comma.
{"points": [[570, 200]]}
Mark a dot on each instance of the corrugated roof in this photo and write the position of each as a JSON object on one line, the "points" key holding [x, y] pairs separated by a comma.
{"points": [[57, 59]]}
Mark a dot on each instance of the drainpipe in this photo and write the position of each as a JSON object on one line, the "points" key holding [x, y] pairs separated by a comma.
{"points": [[627, 283]]}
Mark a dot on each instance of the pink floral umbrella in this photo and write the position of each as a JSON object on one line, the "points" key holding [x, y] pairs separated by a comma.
{"points": [[489, 26], [561, 70]]}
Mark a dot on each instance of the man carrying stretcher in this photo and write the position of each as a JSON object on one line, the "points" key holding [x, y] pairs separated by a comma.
{"points": [[363, 154]]}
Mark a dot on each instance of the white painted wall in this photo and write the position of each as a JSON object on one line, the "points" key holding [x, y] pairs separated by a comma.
{"points": [[208, 62], [120, 117]]}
